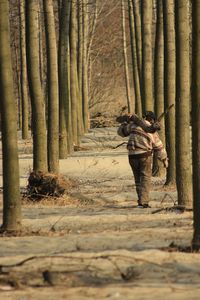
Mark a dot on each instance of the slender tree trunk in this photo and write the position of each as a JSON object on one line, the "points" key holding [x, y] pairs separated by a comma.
{"points": [[70, 142], [147, 84], [170, 86], [11, 193], [183, 139], [159, 81], [138, 34], [41, 48], [24, 82], [90, 38], [126, 69], [65, 127], [37, 99], [85, 88], [75, 100], [53, 94], [159, 67], [196, 122], [136, 79], [80, 45], [17, 81]]}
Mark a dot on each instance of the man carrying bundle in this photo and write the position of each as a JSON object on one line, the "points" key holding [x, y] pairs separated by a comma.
{"points": [[143, 141]]}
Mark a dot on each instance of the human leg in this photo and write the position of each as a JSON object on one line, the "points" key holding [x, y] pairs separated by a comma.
{"points": [[135, 166], [145, 179]]}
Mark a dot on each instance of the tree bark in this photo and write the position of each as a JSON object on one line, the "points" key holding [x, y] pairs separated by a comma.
{"points": [[65, 126], [147, 84], [74, 88], [11, 192], [85, 86], [196, 122], [53, 93], [183, 139], [37, 98], [126, 68], [170, 86], [136, 77], [159, 68], [158, 169], [138, 34], [24, 81]]}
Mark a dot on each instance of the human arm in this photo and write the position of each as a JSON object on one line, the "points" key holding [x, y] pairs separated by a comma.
{"points": [[139, 122], [159, 148]]}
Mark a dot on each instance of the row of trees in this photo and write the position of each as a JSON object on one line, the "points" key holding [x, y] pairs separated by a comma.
{"points": [[54, 77], [163, 75], [55, 43]]}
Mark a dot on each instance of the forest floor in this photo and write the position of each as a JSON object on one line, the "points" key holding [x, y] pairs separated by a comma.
{"points": [[94, 243]]}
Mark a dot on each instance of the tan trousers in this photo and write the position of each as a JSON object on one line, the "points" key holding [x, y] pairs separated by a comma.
{"points": [[141, 168]]}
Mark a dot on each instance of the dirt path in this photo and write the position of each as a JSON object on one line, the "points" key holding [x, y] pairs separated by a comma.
{"points": [[96, 244]]}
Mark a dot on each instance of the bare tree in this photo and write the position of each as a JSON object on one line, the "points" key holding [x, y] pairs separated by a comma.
{"points": [[126, 68], [147, 85], [135, 60], [170, 86], [24, 81], [159, 80], [37, 98], [183, 153], [53, 93], [74, 87], [138, 34], [11, 193], [196, 121], [85, 85], [65, 125]]}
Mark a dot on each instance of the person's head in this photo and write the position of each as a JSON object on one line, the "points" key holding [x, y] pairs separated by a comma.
{"points": [[150, 116]]}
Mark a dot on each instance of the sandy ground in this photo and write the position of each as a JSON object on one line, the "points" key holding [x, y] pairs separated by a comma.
{"points": [[94, 243]]}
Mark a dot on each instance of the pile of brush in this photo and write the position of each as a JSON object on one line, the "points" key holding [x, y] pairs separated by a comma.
{"points": [[42, 185]]}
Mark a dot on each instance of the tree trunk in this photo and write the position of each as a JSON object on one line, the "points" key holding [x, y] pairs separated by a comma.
{"points": [[183, 139], [85, 88], [159, 81], [11, 192], [24, 82], [80, 46], [53, 99], [138, 35], [75, 100], [147, 85], [65, 127], [196, 122], [91, 38], [170, 86], [126, 69], [136, 77], [37, 98], [159, 68]]}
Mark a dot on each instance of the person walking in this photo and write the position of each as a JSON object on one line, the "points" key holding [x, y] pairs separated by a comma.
{"points": [[141, 146]]}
